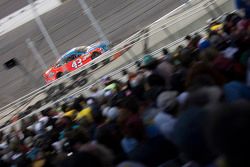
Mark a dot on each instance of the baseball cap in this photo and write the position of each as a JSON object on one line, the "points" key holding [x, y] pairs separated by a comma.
{"points": [[147, 60], [166, 99]]}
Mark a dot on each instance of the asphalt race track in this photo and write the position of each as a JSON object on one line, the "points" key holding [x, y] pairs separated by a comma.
{"points": [[9, 6], [69, 27]]}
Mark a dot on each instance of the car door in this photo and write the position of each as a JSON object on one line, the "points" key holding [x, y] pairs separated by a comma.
{"points": [[85, 58], [77, 60], [72, 62]]}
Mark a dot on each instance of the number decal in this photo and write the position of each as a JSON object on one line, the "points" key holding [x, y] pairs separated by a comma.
{"points": [[77, 63], [74, 65]]}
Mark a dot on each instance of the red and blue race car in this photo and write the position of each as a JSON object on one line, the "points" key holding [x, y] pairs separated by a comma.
{"points": [[74, 59]]}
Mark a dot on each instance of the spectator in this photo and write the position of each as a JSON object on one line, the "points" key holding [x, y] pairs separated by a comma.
{"points": [[164, 69], [244, 7], [190, 138], [166, 118], [188, 40], [229, 125], [125, 76], [110, 136], [166, 55]]}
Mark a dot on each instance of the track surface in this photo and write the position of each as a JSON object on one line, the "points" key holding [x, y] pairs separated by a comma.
{"points": [[70, 27], [9, 6]]}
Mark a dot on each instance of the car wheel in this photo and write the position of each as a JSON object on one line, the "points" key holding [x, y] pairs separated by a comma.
{"points": [[59, 75], [95, 55]]}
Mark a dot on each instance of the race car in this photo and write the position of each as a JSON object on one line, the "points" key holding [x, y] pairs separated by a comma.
{"points": [[74, 59]]}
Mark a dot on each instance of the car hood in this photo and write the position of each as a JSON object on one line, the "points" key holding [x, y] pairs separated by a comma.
{"points": [[48, 71]]}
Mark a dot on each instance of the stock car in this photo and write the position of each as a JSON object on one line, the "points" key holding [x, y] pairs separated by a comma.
{"points": [[74, 59]]}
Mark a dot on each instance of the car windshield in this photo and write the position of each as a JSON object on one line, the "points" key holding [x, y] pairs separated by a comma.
{"points": [[75, 51], [59, 62]]}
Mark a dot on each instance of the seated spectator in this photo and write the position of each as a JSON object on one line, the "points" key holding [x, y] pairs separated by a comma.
{"points": [[164, 69], [234, 91], [166, 117], [166, 55], [190, 138], [244, 7], [228, 132], [188, 40], [110, 135]]}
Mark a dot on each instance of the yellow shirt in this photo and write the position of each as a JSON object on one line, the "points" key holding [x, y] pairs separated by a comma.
{"points": [[85, 113], [217, 27], [39, 163], [110, 87], [70, 114]]}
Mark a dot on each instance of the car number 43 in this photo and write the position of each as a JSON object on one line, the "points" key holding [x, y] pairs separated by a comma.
{"points": [[77, 63]]}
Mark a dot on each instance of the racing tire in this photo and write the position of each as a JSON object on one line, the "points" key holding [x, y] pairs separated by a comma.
{"points": [[59, 75], [95, 55]]}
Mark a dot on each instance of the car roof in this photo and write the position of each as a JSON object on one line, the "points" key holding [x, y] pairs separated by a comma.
{"points": [[70, 52], [74, 50]]}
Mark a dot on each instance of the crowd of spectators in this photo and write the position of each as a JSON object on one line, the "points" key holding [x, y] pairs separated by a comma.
{"points": [[188, 108]]}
